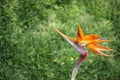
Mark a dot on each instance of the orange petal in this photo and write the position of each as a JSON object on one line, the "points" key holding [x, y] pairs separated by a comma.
{"points": [[98, 41], [91, 37], [101, 47], [80, 34], [96, 49], [73, 39]]}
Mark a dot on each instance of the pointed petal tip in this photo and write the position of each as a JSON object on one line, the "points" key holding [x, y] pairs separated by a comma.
{"points": [[106, 55], [102, 54], [97, 49], [60, 33], [80, 34], [56, 30], [79, 28], [112, 50], [99, 52], [78, 25], [104, 40]]}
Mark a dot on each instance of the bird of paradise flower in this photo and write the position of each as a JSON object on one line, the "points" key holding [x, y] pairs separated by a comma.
{"points": [[92, 41]]}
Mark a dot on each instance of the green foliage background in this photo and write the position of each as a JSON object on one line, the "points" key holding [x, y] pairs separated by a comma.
{"points": [[30, 49]]}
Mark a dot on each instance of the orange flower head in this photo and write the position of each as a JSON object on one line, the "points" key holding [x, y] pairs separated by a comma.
{"points": [[91, 40]]}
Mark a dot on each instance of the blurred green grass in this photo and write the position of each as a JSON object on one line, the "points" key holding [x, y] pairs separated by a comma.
{"points": [[30, 49]]}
